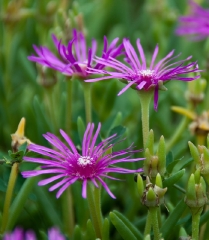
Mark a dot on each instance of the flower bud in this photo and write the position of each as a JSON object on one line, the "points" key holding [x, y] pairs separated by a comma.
{"points": [[154, 163], [153, 195], [196, 191], [18, 138], [140, 185], [201, 158]]}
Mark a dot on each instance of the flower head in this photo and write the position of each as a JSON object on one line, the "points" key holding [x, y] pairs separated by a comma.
{"points": [[68, 165], [142, 76], [196, 24], [75, 58]]}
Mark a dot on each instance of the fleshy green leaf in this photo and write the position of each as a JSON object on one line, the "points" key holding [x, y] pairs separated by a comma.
{"points": [[126, 221], [121, 227], [182, 163], [170, 167], [77, 233], [105, 229], [174, 178], [169, 158], [170, 223], [90, 233]]}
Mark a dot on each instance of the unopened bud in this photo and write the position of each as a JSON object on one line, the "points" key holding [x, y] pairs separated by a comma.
{"points": [[155, 163], [153, 195], [18, 138], [196, 191], [140, 185], [200, 155]]}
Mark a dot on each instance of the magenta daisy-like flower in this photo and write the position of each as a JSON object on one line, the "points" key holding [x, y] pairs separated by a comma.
{"points": [[68, 165], [140, 75], [75, 57], [196, 24]]}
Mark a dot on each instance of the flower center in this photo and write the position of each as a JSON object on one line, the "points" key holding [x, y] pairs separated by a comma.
{"points": [[84, 161], [146, 74]]}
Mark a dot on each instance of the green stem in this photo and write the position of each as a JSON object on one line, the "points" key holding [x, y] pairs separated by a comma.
{"points": [[69, 105], [97, 197], [95, 208], [145, 97], [148, 225], [154, 219], [51, 108], [87, 100], [177, 134], [8, 198], [159, 217], [196, 212], [68, 212]]}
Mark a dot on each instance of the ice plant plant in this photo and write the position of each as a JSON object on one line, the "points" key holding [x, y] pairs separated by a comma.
{"points": [[196, 24], [90, 166], [146, 79]]}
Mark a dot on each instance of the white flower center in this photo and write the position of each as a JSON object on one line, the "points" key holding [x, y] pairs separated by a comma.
{"points": [[84, 161], [147, 73]]}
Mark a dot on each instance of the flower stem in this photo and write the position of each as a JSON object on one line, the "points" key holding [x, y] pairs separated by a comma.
{"points": [[153, 215], [9, 193], [94, 201], [148, 225], [69, 105], [50, 107], [97, 197], [196, 212], [87, 99], [68, 212], [145, 97]]}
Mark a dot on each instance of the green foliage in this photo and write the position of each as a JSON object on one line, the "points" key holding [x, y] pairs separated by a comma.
{"points": [[121, 227], [17, 156]]}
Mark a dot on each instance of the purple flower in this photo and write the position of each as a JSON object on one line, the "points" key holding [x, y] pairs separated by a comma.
{"points": [[68, 165], [140, 75], [196, 24], [75, 58], [54, 234], [19, 234]]}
